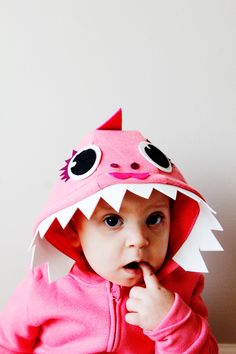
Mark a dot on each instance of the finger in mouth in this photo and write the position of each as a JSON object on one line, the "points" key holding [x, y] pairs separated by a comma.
{"points": [[132, 265]]}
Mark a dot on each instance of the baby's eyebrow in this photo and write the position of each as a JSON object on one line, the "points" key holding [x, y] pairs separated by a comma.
{"points": [[159, 206], [149, 207]]}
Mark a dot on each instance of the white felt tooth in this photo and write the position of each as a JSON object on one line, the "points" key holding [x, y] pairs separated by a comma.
{"points": [[209, 219], [58, 263], [209, 242], [212, 211], [59, 266], [197, 198], [33, 242], [215, 224], [190, 194], [114, 195], [190, 259], [170, 191], [189, 256], [40, 252], [45, 224], [88, 205], [34, 262], [64, 216], [143, 190], [209, 207], [200, 238]]}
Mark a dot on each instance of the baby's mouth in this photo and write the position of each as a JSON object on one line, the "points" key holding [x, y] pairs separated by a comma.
{"points": [[132, 265]]}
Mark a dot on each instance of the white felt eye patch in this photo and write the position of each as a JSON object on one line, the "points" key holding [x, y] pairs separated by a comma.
{"points": [[82, 163], [152, 154]]}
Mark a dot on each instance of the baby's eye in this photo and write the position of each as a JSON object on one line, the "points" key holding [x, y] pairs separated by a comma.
{"points": [[154, 219], [113, 221]]}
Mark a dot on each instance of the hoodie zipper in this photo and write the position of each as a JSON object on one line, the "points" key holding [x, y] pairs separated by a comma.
{"points": [[115, 291]]}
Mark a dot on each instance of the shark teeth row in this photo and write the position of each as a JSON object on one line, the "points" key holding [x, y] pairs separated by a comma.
{"points": [[114, 195], [188, 256]]}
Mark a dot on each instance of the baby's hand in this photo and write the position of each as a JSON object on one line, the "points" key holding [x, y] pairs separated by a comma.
{"points": [[148, 306]]}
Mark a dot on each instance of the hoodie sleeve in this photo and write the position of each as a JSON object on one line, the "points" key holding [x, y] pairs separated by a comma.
{"points": [[18, 333], [185, 329]]}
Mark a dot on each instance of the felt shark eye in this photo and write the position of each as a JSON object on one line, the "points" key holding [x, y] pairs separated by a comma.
{"points": [[82, 163], [85, 162], [155, 156]]}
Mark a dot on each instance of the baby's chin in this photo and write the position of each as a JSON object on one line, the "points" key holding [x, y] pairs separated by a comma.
{"points": [[127, 284], [130, 282]]}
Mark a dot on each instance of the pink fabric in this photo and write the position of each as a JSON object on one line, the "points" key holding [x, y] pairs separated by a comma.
{"points": [[120, 147], [83, 313], [129, 175]]}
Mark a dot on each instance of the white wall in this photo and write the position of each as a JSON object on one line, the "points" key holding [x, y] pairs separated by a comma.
{"points": [[66, 66]]}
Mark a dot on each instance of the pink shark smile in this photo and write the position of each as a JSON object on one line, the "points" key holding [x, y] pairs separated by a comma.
{"points": [[126, 175]]}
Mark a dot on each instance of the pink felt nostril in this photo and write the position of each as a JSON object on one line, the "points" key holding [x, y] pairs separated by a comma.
{"points": [[135, 166], [115, 165]]}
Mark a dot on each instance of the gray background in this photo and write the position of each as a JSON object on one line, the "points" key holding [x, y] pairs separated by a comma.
{"points": [[66, 66]]}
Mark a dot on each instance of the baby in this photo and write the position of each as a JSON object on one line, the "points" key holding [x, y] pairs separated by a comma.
{"points": [[116, 264]]}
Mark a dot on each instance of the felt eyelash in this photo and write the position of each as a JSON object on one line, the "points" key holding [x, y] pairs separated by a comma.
{"points": [[64, 175]]}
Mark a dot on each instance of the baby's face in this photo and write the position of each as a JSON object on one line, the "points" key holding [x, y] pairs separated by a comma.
{"points": [[115, 243]]}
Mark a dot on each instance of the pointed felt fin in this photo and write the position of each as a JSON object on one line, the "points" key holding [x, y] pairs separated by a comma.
{"points": [[113, 123]]}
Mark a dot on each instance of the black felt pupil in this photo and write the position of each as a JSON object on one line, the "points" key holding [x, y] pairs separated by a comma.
{"points": [[157, 156], [83, 162]]}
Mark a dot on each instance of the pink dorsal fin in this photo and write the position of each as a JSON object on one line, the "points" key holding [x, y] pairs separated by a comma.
{"points": [[113, 123]]}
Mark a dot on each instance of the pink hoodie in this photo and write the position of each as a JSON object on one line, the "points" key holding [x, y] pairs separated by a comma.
{"points": [[77, 311], [83, 313]]}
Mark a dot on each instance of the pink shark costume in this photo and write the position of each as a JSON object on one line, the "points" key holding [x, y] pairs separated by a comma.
{"points": [[63, 307]]}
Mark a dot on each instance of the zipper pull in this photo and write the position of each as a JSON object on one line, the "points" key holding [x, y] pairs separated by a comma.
{"points": [[115, 292]]}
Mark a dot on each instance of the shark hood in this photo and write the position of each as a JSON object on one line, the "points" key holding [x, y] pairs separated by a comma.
{"points": [[107, 163]]}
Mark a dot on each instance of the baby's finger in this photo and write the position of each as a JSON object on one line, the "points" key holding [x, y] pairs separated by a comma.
{"points": [[132, 318], [149, 277], [133, 304], [136, 292]]}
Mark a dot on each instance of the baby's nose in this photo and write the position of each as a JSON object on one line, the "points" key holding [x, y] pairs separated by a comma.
{"points": [[137, 238]]}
